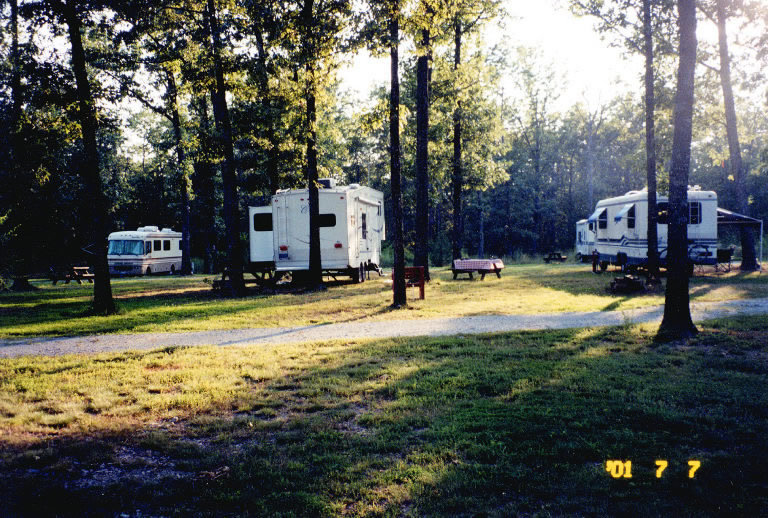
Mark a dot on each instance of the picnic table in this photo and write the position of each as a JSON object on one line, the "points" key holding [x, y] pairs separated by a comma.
{"points": [[72, 273], [555, 256], [481, 266], [414, 278]]}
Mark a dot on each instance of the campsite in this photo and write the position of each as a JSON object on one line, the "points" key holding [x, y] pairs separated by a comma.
{"points": [[501, 422], [418, 258]]}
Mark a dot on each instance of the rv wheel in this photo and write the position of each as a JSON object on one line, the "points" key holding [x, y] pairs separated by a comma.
{"points": [[362, 272], [354, 274], [149, 270], [578, 257], [173, 269], [603, 265]]}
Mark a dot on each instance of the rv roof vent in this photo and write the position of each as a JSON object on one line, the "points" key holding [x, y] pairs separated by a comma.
{"points": [[694, 188], [147, 229], [327, 183], [353, 186], [167, 230], [630, 193]]}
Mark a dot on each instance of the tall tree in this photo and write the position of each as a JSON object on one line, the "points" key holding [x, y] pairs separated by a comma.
{"points": [[650, 145], [421, 252], [228, 171], [748, 255], [91, 169], [399, 296], [677, 322], [468, 16], [457, 184]]}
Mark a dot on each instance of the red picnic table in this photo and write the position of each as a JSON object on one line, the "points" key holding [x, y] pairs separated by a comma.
{"points": [[481, 266]]}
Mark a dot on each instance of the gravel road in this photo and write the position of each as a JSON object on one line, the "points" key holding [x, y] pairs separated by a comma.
{"points": [[11, 348]]}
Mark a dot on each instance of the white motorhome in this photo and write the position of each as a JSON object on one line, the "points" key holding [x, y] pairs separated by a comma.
{"points": [[351, 230], [146, 250], [585, 240], [621, 228]]}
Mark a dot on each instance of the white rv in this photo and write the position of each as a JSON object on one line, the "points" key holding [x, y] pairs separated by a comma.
{"points": [[351, 230], [585, 240], [146, 250], [621, 228]]}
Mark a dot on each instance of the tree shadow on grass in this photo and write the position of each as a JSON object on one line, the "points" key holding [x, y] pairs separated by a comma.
{"points": [[518, 423]]}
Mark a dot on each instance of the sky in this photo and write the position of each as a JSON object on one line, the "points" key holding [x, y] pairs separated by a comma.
{"points": [[590, 66]]}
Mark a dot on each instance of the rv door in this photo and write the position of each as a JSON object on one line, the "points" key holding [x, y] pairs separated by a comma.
{"points": [[261, 235]]}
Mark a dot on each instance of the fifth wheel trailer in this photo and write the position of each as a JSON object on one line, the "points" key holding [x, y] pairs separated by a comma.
{"points": [[620, 225], [351, 224]]}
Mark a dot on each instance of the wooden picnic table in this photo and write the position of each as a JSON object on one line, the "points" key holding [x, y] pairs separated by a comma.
{"points": [[481, 266], [555, 256], [414, 278], [73, 273]]}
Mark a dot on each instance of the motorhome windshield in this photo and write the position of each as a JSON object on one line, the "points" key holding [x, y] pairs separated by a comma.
{"points": [[126, 247]]}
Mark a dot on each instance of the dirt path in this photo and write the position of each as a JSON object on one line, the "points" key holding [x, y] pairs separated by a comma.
{"points": [[426, 327]]}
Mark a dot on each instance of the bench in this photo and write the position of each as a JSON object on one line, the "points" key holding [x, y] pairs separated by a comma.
{"points": [[73, 273], [414, 278], [555, 256], [481, 266]]}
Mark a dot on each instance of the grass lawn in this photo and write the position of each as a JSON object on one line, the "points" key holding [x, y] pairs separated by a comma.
{"points": [[499, 425], [187, 304]]}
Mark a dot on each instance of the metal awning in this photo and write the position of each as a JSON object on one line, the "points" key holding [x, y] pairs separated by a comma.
{"points": [[596, 214], [623, 212], [726, 217]]}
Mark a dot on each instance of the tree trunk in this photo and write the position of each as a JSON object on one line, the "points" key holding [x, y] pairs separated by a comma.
{"points": [[90, 172], [481, 225], [421, 253], [173, 104], [398, 298], [315, 265], [204, 187], [458, 180], [677, 322], [748, 256], [228, 173], [650, 147], [266, 103]]}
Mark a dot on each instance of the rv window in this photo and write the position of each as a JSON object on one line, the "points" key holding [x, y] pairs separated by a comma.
{"points": [[694, 213], [365, 227], [124, 247], [592, 226], [147, 247], [157, 245], [166, 244], [578, 240], [663, 217], [262, 222], [602, 220], [326, 220], [631, 217], [179, 244]]}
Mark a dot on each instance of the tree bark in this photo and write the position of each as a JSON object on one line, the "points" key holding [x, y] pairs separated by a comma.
{"points": [[677, 322], [315, 261], [90, 171], [421, 253], [228, 173], [315, 264], [458, 180], [173, 105], [650, 146], [204, 187], [748, 255], [399, 296]]}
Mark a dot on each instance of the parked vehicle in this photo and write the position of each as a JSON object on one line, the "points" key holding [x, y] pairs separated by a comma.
{"points": [[585, 240], [351, 230], [146, 250], [621, 228]]}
